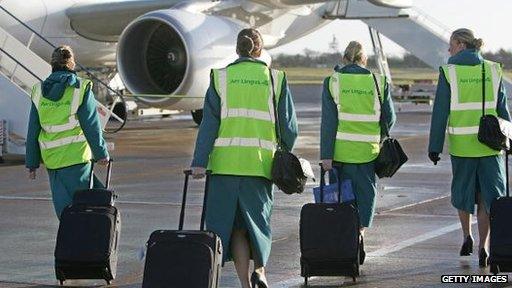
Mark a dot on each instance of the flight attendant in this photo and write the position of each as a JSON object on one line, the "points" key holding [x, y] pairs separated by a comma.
{"points": [[236, 141], [64, 130], [478, 171], [354, 119]]}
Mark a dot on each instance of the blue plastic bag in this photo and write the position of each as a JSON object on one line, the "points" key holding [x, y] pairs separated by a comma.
{"points": [[332, 191]]}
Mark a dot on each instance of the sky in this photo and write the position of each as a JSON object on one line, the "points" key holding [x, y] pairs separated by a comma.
{"points": [[489, 20]]}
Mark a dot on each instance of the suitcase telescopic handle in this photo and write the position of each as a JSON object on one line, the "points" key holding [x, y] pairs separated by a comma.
{"points": [[109, 174], [188, 173], [506, 172]]}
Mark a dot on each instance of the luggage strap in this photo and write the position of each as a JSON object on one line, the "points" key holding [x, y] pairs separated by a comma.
{"points": [[109, 173], [184, 199]]}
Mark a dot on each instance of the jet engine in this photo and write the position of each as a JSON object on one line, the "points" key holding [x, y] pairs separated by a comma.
{"points": [[171, 52]]}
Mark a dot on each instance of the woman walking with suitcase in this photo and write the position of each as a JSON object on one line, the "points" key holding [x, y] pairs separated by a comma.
{"points": [[236, 141], [64, 130], [478, 171], [352, 127]]}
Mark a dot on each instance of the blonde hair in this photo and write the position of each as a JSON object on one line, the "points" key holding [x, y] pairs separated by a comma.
{"points": [[354, 53], [63, 58], [466, 36]]}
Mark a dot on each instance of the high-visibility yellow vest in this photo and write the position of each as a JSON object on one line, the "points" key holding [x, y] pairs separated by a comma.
{"points": [[246, 140], [466, 106], [359, 110], [61, 140]]}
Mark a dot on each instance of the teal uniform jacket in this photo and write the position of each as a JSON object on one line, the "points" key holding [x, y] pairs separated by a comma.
{"points": [[241, 202], [362, 175], [65, 181], [485, 175]]}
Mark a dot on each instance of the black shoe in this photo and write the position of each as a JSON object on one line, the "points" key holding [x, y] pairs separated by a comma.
{"points": [[362, 253], [257, 281], [483, 258], [467, 247]]}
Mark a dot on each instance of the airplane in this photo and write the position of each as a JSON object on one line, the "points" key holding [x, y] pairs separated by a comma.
{"points": [[163, 50]]}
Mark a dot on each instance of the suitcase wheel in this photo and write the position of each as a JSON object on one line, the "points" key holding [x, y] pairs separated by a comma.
{"points": [[495, 269]]}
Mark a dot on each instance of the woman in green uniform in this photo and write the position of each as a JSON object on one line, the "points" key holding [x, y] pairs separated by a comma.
{"points": [[354, 119], [478, 171], [64, 130], [236, 141]]}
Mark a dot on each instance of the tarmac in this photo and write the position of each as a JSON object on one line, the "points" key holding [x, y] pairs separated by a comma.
{"points": [[415, 238]]}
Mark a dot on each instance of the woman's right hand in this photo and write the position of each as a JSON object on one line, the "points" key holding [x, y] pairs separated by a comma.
{"points": [[198, 172], [327, 164]]}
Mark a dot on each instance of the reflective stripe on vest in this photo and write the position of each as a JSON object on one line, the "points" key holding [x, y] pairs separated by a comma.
{"points": [[245, 142], [62, 141], [466, 106]]}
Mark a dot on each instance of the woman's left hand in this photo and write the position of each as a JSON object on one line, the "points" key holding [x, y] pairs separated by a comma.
{"points": [[32, 174]]}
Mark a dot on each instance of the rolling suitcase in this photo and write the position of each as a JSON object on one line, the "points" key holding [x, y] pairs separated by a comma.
{"points": [[88, 236], [500, 257], [329, 238], [183, 258]]}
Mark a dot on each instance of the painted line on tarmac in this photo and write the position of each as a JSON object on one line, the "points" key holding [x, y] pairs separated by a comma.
{"points": [[415, 240], [413, 204]]}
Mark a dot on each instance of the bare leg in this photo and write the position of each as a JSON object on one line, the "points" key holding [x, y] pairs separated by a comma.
{"points": [[259, 268], [240, 251], [483, 225], [465, 222]]}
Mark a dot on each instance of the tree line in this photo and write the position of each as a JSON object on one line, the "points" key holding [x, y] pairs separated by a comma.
{"points": [[315, 59]]}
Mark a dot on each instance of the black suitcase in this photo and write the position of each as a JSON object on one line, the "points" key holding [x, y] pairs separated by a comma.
{"points": [[88, 236], [329, 238], [501, 235], [183, 258]]}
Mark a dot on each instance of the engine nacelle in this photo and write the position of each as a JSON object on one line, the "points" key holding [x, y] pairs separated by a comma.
{"points": [[171, 52]]}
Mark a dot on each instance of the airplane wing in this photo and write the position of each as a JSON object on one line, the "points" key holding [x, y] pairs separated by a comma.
{"points": [[105, 21]]}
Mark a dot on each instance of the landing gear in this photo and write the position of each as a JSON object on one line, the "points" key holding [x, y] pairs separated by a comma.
{"points": [[197, 116]]}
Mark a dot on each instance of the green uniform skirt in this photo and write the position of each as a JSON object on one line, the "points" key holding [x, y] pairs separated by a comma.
{"points": [[66, 181], [241, 202], [364, 187], [485, 175]]}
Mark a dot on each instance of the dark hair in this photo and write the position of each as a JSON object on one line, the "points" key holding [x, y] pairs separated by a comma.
{"points": [[63, 58], [249, 43]]}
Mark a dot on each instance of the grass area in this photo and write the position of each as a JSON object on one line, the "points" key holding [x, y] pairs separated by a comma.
{"points": [[303, 75]]}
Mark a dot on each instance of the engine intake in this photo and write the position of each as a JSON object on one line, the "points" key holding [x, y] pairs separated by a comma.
{"points": [[172, 51]]}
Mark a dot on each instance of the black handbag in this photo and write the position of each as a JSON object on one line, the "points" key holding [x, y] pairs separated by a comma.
{"points": [[489, 131], [287, 173], [391, 156]]}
